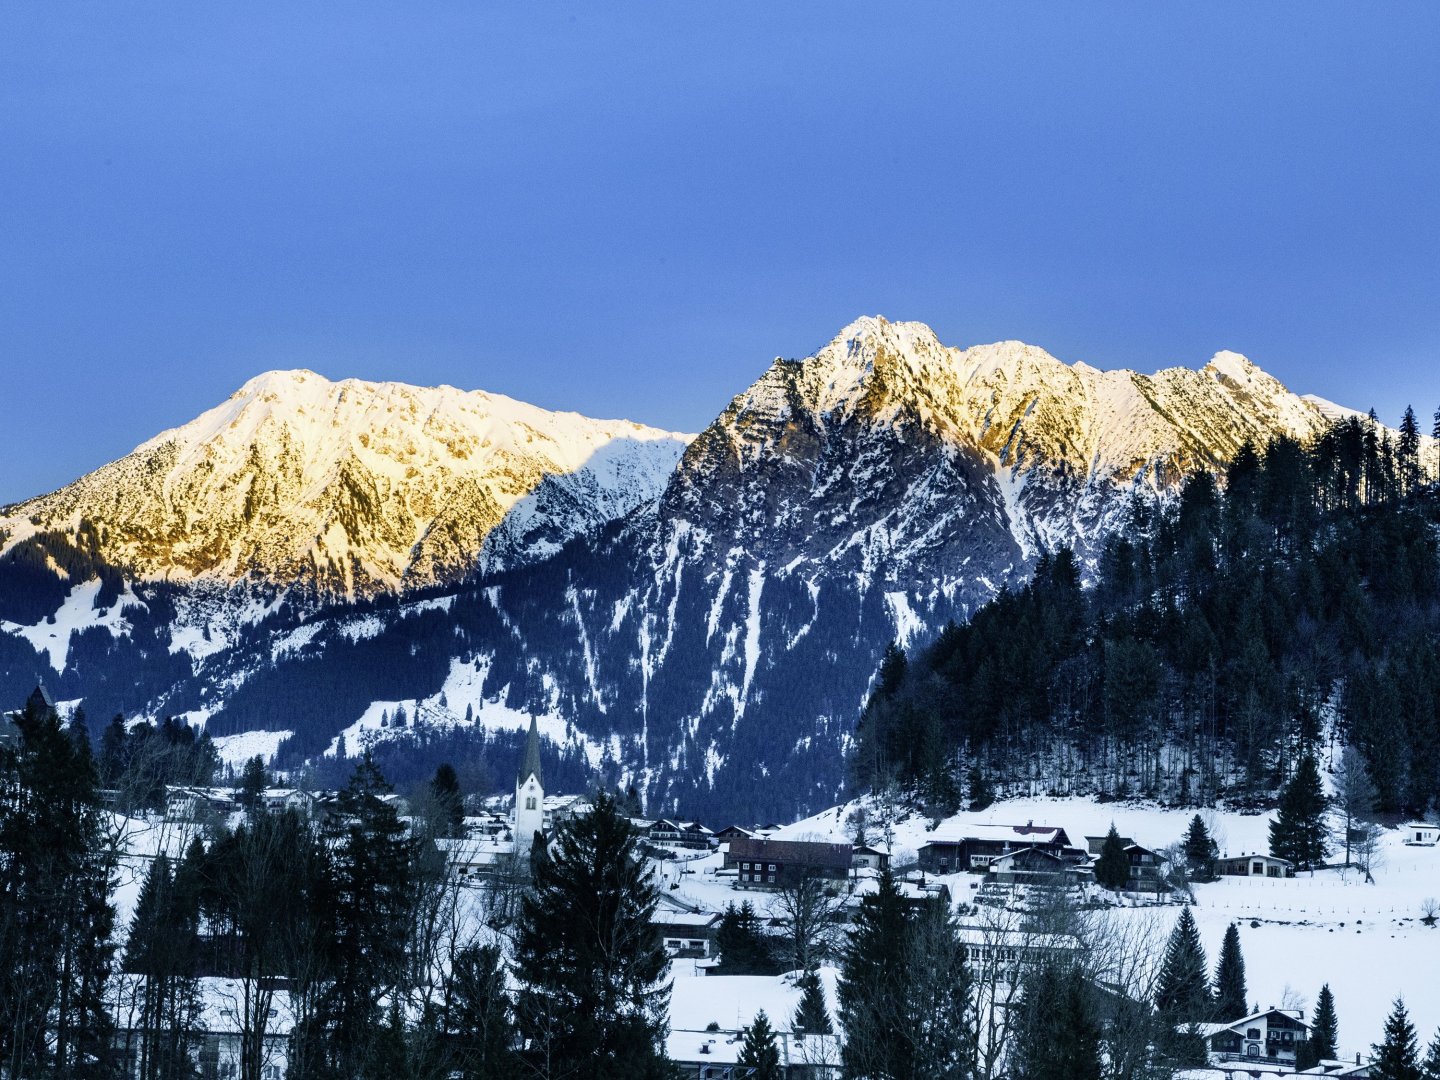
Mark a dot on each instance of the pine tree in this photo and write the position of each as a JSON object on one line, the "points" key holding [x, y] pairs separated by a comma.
{"points": [[936, 982], [1112, 868], [449, 802], [758, 1052], [479, 1021], [1230, 997], [1398, 1057], [1183, 992], [1298, 831], [811, 1015], [745, 949], [1430, 1067], [56, 919], [1056, 1037], [1324, 1027], [872, 985], [593, 997], [253, 782], [1201, 851]]}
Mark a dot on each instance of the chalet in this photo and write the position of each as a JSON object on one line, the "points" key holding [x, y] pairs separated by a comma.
{"points": [[868, 857], [734, 832], [1254, 866], [1030, 866], [682, 834], [469, 858], [1420, 833], [196, 804], [278, 800], [217, 1040], [775, 864], [683, 933], [1271, 1036], [1147, 869], [974, 847], [1094, 845], [714, 1055], [1007, 949]]}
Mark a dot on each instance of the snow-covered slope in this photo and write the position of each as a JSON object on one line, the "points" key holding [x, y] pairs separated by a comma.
{"points": [[356, 486], [711, 631]]}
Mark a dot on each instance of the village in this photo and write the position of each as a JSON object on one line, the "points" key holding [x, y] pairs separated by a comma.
{"points": [[1023, 880]]}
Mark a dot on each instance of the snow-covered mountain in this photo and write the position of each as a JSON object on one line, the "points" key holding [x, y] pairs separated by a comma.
{"points": [[355, 487], [704, 623]]}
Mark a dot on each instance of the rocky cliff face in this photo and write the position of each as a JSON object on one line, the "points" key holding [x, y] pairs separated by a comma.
{"points": [[704, 623]]}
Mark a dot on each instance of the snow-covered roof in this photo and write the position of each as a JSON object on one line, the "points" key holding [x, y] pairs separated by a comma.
{"points": [[1015, 834]]}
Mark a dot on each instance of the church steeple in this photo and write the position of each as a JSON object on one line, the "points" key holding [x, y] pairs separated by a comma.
{"points": [[529, 794], [530, 763]]}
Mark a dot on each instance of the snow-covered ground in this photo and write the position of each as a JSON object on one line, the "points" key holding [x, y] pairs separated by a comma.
{"points": [[1368, 941]]}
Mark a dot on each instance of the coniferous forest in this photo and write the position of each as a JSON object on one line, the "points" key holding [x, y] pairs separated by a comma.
{"points": [[1291, 604]]}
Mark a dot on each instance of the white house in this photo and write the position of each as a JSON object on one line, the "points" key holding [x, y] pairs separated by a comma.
{"points": [[1420, 833], [1272, 1036], [217, 1043]]}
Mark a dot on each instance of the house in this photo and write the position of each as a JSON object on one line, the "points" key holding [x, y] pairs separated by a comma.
{"points": [[1094, 845], [734, 832], [713, 1055], [216, 1043], [973, 847], [469, 857], [775, 864], [1356, 1069], [1254, 866], [683, 834], [196, 804], [1147, 869], [1269, 1036], [1420, 833], [684, 933], [278, 800], [1008, 949], [869, 857], [1030, 866]]}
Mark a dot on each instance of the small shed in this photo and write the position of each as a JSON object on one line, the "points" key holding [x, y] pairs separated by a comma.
{"points": [[1421, 833], [1254, 866]]}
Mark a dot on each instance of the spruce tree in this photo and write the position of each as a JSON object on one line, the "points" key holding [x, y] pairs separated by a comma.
{"points": [[480, 1024], [1298, 831], [1324, 1027], [758, 1052], [449, 801], [1112, 868], [253, 782], [1057, 1036], [1183, 993], [1430, 1067], [872, 982], [1201, 851], [1398, 1056], [593, 997], [811, 1015], [745, 949], [1230, 997], [936, 982]]}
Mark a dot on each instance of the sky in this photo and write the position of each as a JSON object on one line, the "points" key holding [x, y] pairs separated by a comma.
{"points": [[631, 209]]}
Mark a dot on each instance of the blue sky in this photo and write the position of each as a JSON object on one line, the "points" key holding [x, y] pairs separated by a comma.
{"points": [[629, 209]]}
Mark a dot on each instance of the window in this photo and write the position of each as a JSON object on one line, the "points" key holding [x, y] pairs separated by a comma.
{"points": [[1258, 868], [530, 803], [772, 877], [1252, 1033], [772, 867]]}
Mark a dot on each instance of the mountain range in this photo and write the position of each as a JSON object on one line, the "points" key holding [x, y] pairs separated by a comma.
{"points": [[317, 566]]}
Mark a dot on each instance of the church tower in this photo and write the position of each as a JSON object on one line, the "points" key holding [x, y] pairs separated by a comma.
{"points": [[529, 794]]}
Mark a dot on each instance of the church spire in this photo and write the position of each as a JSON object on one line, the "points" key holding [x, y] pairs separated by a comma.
{"points": [[530, 763]]}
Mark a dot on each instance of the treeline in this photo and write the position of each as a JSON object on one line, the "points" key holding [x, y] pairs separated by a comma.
{"points": [[1222, 632]]}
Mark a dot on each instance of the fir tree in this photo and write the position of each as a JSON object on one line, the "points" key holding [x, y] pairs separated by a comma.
{"points": [[936, 983], [1298, 831], [1112, 868], [449, 802], [1430, 1067], [872, 983], [758, 1052], [1056, 1037], [593, 997], [1230, 996], [1183, 992], [811, 1015], [253, 782], [745, 949], [1398, 1056], [1325, 1027], [479, 1021], [1201, 851]]}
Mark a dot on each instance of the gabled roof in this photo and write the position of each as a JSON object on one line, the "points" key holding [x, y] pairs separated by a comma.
{"points": [[794, 852], [1214, 1029], [1028, 834]]}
